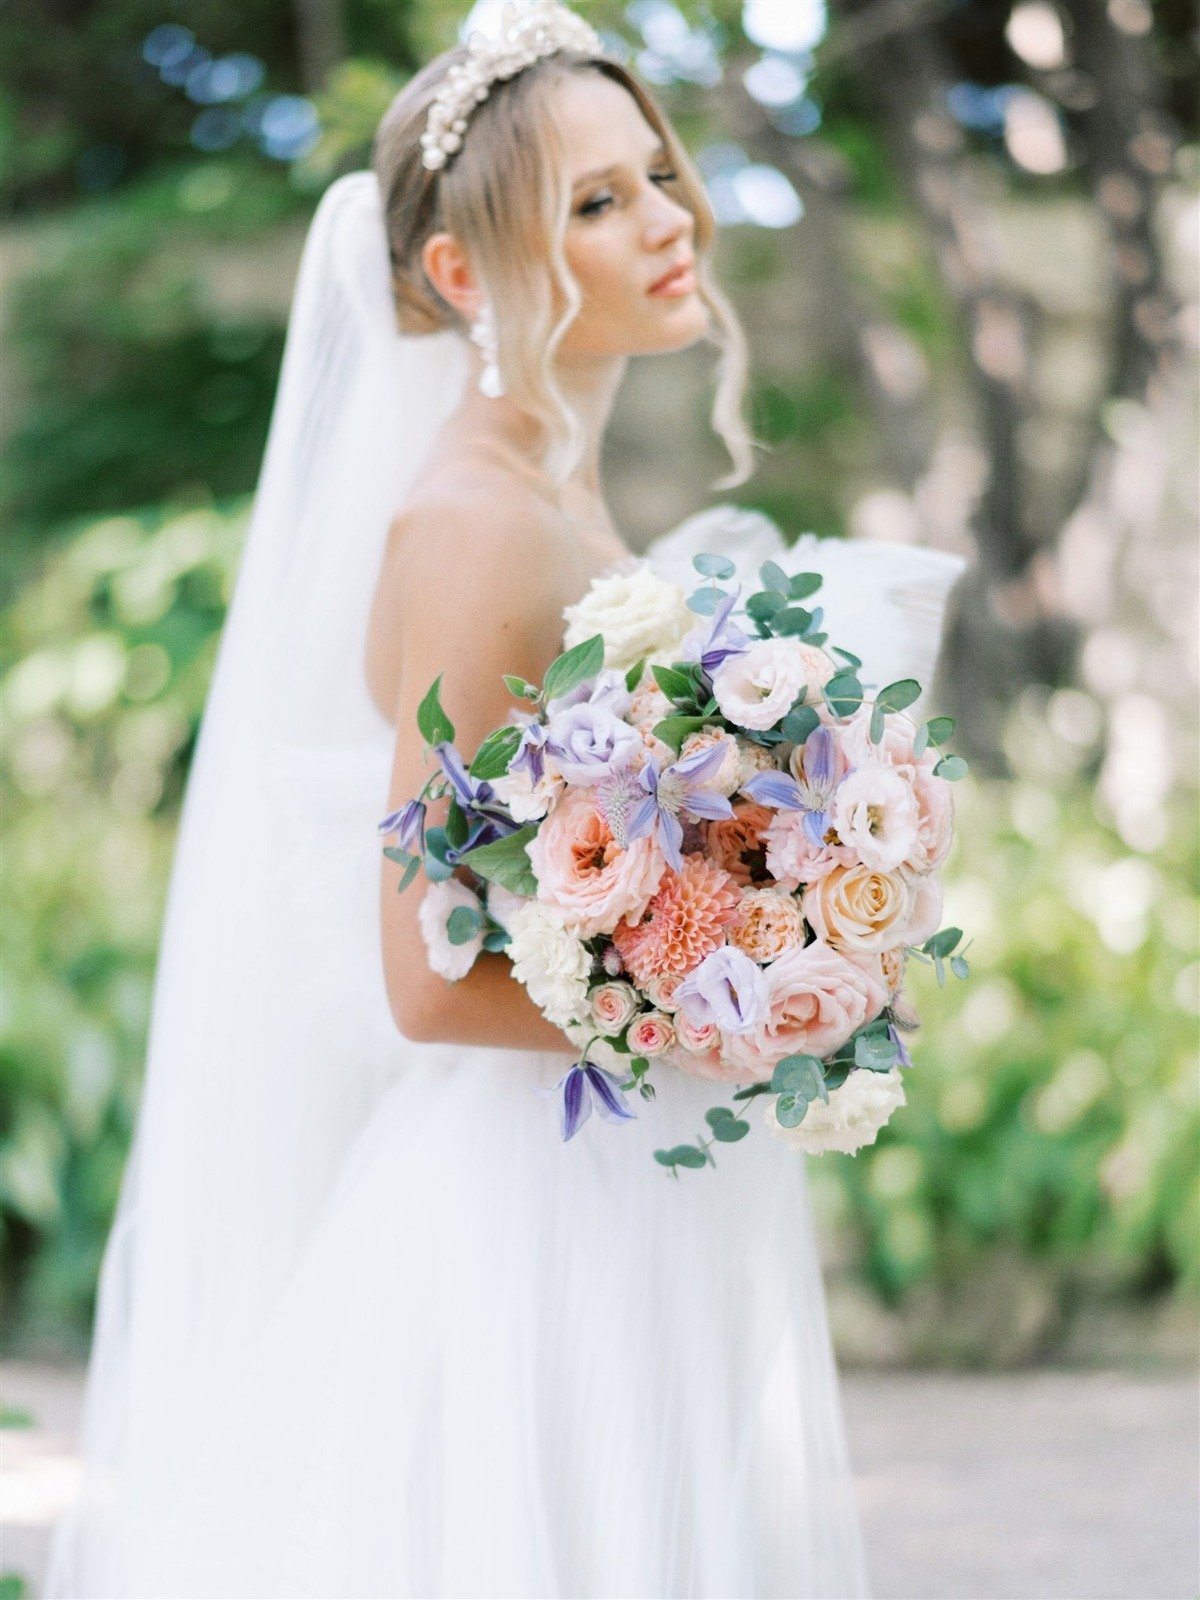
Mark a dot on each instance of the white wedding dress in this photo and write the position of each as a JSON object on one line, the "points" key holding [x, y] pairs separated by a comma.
{"points": [[367, 1326]]}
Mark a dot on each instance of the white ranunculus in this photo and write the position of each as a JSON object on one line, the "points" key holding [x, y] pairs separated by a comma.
{"points": [[502, 903], [762, 684], [451, 961], [551, 962], [855, 1113], [640, 615]]}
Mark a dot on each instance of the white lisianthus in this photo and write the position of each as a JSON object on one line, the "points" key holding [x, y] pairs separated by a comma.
{"points": [[855, 1113], [551, 962], [640, 615], [757, 687], [451, 961], [527, 801]]}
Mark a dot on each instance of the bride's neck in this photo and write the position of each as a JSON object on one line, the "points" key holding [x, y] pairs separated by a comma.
{"points": [[589, 387]]}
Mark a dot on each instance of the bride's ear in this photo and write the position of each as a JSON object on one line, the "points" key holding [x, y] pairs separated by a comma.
{"points": [[448, 270]]}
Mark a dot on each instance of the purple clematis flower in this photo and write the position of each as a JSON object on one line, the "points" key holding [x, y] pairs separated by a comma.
{"points": [[722, 639], [813, 795], [675, 789], [532, 751], [409, 825], [487, 818], [903, 1059], [584, 1083]]}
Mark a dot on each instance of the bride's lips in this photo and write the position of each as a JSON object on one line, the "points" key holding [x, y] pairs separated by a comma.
{"points": [[680, 280]]}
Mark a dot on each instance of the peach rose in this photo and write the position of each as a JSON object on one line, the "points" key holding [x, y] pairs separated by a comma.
{"points": [[698, 1038], [736, 843], [613, 1005], [856, 908], [660, 990], [585, 875], [818, 998], [768, 924]]}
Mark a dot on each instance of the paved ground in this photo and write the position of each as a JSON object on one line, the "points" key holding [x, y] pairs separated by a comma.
{"points": [[1009, 1487]]}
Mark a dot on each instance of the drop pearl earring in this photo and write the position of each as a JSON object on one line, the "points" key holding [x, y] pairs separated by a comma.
{"points": [[483, 337]]}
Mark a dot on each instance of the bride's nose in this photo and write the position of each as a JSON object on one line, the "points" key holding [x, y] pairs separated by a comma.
{"points": [[665, 219]]}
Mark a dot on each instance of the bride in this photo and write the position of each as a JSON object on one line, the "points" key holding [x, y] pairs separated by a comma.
{"points": [[366, 1325]]}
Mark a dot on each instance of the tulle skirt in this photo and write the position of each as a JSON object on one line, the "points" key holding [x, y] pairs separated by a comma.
{"points": [[511, 1366]]}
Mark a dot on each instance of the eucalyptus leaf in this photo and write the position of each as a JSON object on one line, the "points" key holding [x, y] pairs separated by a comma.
{"points": [[409, 873], [772, 576], [959, 967], [753, 1090], [763, 605], [682, 1155], [895, 696], [876, 1051], [463, 923], [799, 723], [843, 693], [433, 724], [725, 1126], [943, 941], [875, 731], [792, 622], [940, 729], [791, 1110], [710, 566], [847, 655], [951, 767], [920, 739], [705, 601], [799, 1074], [574, 666], [499, 939], [803, 584]]}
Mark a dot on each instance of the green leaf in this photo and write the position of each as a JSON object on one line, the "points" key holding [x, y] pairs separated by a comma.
{"points": [[799, 1074], [725, 1126], [681, 1155], [942, 942], [634, 676], [899, 694], [710, 566], [674, 684], [951, 767], [521, 687], [940, 729], [875, 731], [457, 827], [803, 584], [799, 723], [959, 967], [433, 724], [498, 939], [847, 655], [565, 672], [920, 739], [791, 1110], [705, 601], [496, 751], [795, 620], [16, 1417], [674, 730], [754, 1089], [764, 605], [874, 1050], [463, 923], [506, 862], [843, 693], [409, 873], [773, 577]]}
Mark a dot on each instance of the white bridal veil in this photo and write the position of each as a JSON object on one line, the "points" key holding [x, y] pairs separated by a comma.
{"points": [[267, 1046]]}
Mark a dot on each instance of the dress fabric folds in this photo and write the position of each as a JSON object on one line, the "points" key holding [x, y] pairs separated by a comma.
{"points": [[495, 1364]]}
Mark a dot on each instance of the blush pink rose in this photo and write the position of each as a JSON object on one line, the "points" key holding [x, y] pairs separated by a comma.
{"points": [[696, 1037], [935, 821], [817, 999], [653, 1034], [584, 874]]}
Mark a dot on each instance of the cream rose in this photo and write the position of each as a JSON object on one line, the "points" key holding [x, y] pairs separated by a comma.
{"points": [[858, 909], [640, 615], [817, 998], [855, 1113], [550, 961], [762, 684], [584, 875]]}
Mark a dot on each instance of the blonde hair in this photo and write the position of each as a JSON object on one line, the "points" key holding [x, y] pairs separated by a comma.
{"points": [[509, 229]]}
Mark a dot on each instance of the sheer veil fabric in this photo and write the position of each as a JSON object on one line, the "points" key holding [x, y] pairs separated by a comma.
{"points": [[365, 1326]]}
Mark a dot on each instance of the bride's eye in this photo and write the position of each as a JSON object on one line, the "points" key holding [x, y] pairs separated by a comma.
{"points": [[594, 206], [664, 177]]}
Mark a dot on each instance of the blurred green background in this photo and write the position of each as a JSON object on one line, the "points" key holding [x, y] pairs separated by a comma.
{"points": [[963, 237]]}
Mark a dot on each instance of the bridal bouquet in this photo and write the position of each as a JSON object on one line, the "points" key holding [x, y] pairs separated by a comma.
{"points": [[703, 847]]}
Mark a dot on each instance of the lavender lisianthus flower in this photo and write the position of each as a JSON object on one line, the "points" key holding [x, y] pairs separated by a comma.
{"points": [[727, 988], [607, 689], [813, 793], [589, 742], [673, 790]]}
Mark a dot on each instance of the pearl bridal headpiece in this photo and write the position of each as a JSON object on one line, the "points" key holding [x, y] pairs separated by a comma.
{"points": [[527, 31]]}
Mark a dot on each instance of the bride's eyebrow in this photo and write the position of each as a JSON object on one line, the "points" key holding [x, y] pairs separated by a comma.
{"points": [[656, 154]]}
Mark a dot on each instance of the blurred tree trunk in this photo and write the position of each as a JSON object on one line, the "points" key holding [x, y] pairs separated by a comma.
{"points": [[320, 41]]}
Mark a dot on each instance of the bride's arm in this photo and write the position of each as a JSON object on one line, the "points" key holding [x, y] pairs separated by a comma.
{"points": [[479, 597]]}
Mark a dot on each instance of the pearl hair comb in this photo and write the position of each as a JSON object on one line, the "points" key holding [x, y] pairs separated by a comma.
{"points": [[533, 29]]}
